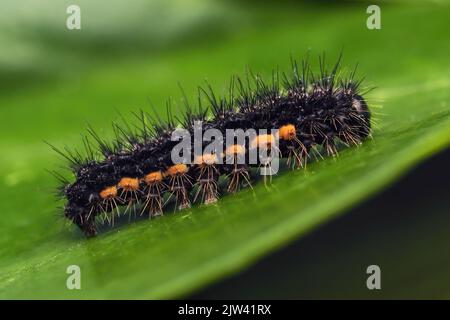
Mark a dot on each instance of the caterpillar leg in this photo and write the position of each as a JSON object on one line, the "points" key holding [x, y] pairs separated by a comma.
{"points": [[109, 204], [155, 188], [238, 174], [180, 191], [329, 146], [297, 155], [207, 184], [131, 200], [179, 185], [238, 177], [207, 178], [88, 228], [297, 152], [153, 202], [266, 162], [85, 223]]}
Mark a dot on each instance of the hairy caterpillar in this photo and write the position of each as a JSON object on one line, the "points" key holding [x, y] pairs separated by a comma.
{"points": [[136, 171]]}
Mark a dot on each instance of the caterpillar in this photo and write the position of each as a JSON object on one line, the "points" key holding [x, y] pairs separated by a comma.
{"points": [[303, 113]]}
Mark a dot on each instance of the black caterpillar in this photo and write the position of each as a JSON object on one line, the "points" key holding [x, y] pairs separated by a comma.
{"points": [[312, 113]]}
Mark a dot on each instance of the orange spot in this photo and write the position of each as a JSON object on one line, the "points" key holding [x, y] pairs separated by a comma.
{"points": [[235, 149], [206, 159], [263, 141], [177, 169], [108, 193], [153, 177], [287, 132], [129, 184]]}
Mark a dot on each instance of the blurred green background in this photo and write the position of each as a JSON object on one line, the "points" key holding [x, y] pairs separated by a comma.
{"points": [[53, 81]]}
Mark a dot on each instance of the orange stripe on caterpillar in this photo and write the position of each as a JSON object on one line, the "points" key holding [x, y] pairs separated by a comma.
{"points": [[108, 193], [263, 141], [287, 132], [234, 150], [129, 184], [177, 169], [206, 159], [153, 177]]}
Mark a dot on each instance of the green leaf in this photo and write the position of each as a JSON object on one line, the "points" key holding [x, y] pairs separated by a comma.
{"points": [[175, 254]]}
